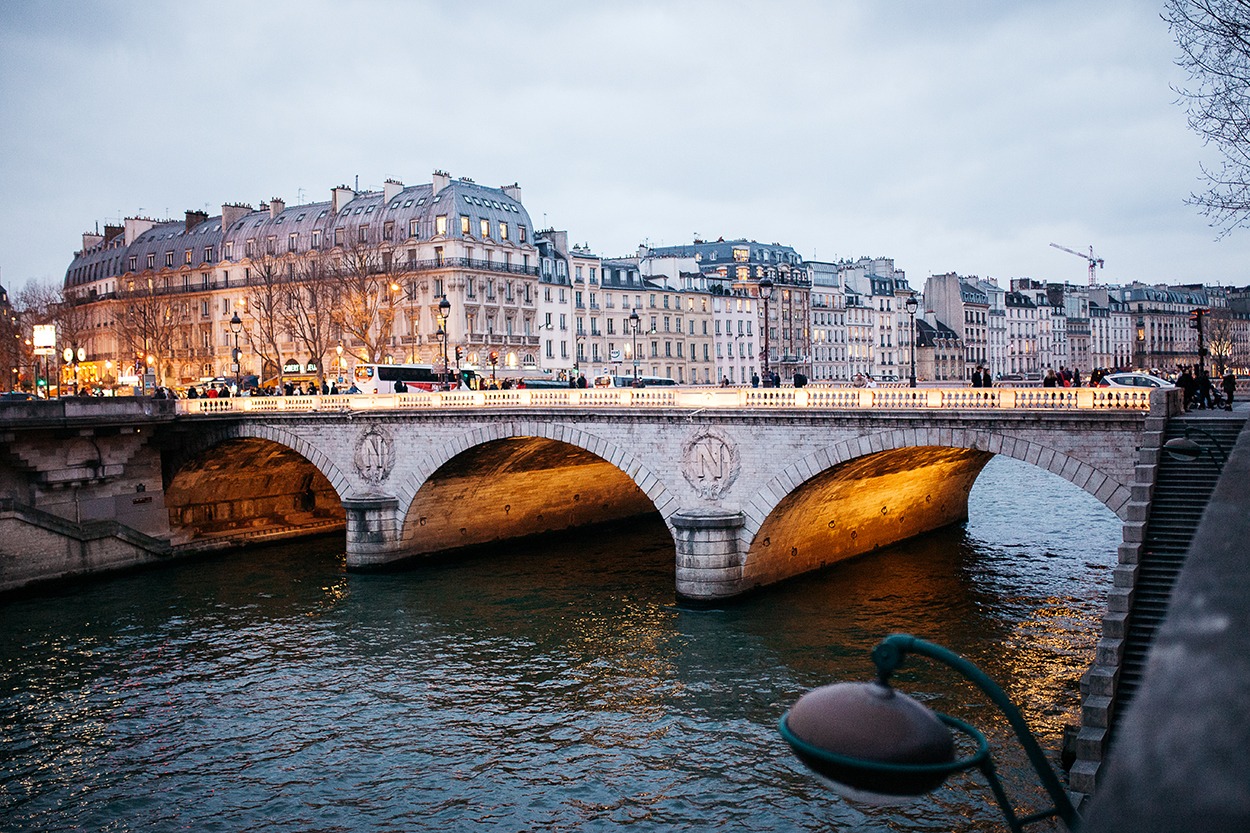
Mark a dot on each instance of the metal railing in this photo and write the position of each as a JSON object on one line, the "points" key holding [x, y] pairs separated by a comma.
{"points": [[808, 398]]}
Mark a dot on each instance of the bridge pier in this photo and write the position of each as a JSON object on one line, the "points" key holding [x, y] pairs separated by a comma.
{"points": [[709, 557], [373, 530]]}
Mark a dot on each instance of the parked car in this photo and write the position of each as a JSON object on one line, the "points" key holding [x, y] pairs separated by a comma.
{"points": [[16, 396], [1133, 380]]}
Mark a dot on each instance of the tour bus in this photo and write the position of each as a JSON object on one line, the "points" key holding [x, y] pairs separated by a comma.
{"points": [[628, 381], [381, 378]]}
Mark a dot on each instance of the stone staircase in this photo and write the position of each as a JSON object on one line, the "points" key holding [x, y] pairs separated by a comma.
{"points": [[1182, 490], [1169, 497]]}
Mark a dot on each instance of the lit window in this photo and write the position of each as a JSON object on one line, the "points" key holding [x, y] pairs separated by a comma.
{"points": [[503, 231], [464, 224], [440, 225], [413, 228], [485, 225]]}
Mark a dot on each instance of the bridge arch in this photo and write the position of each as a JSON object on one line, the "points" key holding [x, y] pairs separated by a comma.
{"points": [[244, 482], [508, 479], [873, 490]]}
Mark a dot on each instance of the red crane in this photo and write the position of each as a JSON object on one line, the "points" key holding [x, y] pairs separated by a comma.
{"points": [[1094, 262]]}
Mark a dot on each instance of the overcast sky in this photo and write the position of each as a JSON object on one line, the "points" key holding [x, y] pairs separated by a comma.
{"points": [[951, 136]]}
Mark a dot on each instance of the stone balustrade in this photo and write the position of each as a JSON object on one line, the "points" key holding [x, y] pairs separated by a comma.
{"points": [[694, 398]]}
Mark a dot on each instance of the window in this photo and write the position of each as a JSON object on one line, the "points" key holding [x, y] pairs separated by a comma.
{"points": [[229, 249], [485, 226], [521, 233], [503, 231], [249, 247], [316, 238], [292, 241], [388, 230], [338, 236], [440, 225], [151, 260], [464, 224], [271, 245], [187, 256], [134, 263], [363, 234]]}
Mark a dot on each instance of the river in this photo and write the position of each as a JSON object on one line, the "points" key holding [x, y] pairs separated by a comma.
{"points": [[550, 686]]}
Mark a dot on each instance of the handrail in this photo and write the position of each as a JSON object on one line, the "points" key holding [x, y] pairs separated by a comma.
{"points": [[694, 398]]}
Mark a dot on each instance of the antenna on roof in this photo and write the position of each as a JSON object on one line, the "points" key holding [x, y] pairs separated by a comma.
{"points": [[357, 188], [299, 195]]}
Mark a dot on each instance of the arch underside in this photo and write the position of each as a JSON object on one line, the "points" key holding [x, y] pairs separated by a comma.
{"points": [[516, 487], [250, 489], [861, 505]]}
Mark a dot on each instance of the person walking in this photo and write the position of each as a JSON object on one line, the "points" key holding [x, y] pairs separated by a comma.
{"points": [[1230, 387]]}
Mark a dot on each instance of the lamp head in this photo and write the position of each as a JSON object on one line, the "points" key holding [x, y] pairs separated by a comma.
{"points": [[912, 305], [766, 288], [236, 323], [444, 305], [870, 742], [1183, 449]]}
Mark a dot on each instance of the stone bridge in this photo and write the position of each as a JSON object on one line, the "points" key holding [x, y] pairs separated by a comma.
{"points": [[756, 485]]}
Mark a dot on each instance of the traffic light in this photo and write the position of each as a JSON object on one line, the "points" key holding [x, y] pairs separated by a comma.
{"points": [[1195, 318], [459, 353]]}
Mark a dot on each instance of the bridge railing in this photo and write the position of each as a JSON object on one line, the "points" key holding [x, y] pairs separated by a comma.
{"points": [[821, 398]]}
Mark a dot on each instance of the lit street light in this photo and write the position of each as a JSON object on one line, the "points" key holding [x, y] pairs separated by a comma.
{"points": [[766, 292], [444, 307], [236, 327]]}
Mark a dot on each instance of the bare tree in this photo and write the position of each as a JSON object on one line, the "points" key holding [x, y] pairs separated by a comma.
{"points": [[1214, 38], [146, 322], [366, 307], [1226, 337], [307, 310], [266, 296]]}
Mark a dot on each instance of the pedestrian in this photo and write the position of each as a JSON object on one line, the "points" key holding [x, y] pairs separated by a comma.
{"points": [[755, 379], [192, 393], [581, 380], [1051, 379], [1188, 386], [724, 382], [1230, 387], [1076, 377], [800, 379], [1202, 382], [976, 377]]}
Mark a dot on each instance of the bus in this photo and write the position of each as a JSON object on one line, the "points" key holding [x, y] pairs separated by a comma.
{"points": [[628, 381], [381, 378]]}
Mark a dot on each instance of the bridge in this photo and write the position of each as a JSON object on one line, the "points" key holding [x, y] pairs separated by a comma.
{"points": [[755, 485]]}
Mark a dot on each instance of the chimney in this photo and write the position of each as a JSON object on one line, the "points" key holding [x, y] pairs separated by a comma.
{"points": [[90, 239], [513, 191], [391, 189], [194, 218], [340, 197], [231, 213], [276, 207], [441, 180], [111, 232], [136, 226]]}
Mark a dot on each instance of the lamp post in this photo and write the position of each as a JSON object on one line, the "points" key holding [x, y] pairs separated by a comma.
{"points": [[444, 307], [236, 327], [766, 292], [1141, 343], [338, 364], [494, 362], [877, 744], [912, 305], [634, 321]]}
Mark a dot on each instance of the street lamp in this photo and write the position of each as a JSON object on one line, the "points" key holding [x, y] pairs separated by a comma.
{"points": [[634, 321], [236, 327], [339, 364], [1141, 343], [912, 305], [766, 292], [444, 307], [873, 743]]}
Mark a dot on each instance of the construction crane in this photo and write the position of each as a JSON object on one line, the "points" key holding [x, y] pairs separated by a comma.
{"points": [[1094, 262]]}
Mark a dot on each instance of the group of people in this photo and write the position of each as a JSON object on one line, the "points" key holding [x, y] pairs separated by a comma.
{"points": [[1067, 377], [1200, 391], [771, 379]]}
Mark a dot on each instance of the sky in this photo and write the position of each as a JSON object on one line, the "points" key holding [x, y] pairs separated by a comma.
{"points": [[950, 136]]}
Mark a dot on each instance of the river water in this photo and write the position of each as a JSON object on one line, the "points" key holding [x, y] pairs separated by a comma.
{"points": [[552, 686]]}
